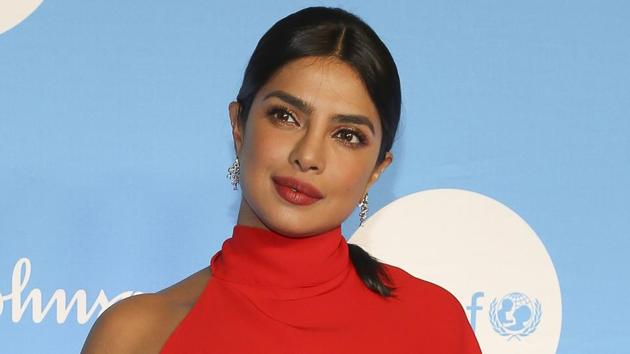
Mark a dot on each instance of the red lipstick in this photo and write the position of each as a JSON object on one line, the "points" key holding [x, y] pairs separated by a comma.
{"points": [[295, 191]]}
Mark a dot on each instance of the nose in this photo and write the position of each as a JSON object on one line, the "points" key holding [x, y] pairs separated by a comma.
{"points": [[308, 154]]}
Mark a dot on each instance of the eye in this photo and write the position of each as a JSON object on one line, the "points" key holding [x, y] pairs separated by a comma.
{"points": [[282, 114], [350, 137]]}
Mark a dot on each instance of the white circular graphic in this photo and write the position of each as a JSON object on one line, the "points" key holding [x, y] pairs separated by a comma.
{"points": [[12, 12], [483, 253]]}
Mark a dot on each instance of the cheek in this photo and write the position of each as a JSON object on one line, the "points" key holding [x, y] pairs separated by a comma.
{"points": [[349, 176], [263, 149]]}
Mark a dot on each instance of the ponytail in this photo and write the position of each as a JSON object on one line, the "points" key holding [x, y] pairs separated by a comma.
{"points": [[371, 271]]}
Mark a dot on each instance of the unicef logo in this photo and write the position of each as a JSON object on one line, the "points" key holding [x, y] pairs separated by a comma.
{"points": [[515, 315]]}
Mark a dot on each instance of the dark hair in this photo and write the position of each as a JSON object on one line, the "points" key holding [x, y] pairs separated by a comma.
{"points": [[332, 32]]}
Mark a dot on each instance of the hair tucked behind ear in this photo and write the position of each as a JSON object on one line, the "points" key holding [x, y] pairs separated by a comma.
{"points": [[332, 32], [370, 271]]}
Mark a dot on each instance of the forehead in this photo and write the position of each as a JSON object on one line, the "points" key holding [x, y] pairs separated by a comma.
{"points": [[326, 83]]}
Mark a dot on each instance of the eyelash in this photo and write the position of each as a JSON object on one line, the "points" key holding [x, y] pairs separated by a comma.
{"points": [[274, 113]]}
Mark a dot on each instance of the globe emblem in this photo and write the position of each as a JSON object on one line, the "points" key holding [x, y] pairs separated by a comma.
{"points": [[515, 315]]}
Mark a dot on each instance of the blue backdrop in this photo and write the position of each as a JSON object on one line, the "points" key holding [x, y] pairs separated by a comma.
{"points": [[114, 143]]}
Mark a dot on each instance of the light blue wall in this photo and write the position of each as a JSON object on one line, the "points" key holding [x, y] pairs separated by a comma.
{"points": [[114, 141]]}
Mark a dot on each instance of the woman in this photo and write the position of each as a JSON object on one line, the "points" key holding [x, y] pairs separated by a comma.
{"points": [[313, 125]]}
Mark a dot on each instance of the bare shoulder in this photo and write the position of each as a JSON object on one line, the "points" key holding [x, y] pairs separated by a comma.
{"points": [[125, 327], [142, 323]]}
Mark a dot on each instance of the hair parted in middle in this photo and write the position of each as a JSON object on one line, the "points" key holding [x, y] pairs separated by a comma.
{"points": [[328, 32]]}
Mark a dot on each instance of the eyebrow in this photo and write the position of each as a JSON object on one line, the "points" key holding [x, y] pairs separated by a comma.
{"points": [[308, 109]]}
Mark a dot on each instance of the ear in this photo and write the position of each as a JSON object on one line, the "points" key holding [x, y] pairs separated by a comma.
{"points": [[389, 157], [237, 134]]}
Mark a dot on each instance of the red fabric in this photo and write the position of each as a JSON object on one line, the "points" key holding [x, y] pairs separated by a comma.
{"points": [[275, 294]]}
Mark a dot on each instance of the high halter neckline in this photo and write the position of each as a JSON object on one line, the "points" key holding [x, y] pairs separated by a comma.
{"points": [[257, 257]]}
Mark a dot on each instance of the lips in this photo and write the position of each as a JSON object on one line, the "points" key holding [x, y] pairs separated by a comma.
{"points": [[295, 191]]}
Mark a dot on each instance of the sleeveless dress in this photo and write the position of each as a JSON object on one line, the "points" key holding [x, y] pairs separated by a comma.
{"points": [[270, 293]]}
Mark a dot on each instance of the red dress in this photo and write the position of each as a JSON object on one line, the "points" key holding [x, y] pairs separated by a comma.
{"points": [[271, 293]]}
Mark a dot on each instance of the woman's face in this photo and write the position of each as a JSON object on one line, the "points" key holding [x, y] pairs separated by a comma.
{"points": [[309, 148]]}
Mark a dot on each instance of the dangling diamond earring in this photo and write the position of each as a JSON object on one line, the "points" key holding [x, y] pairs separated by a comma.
{"points": [[363, 209], [234, 173]]}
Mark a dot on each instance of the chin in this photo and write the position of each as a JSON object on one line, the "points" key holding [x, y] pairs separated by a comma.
{"points": [[291, 228], [296, 226]]}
